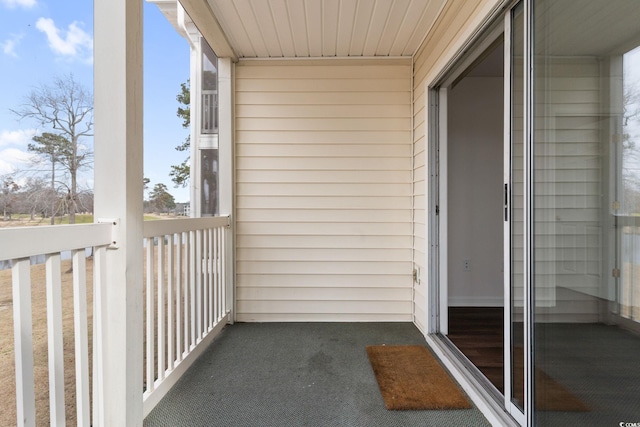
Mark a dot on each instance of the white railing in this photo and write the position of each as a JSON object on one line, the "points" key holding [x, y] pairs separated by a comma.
{"points": [[186, 297], [209, 112], [54, 242]]}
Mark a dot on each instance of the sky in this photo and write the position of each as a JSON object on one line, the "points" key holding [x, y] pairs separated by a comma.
{"points": [[43, 39]]}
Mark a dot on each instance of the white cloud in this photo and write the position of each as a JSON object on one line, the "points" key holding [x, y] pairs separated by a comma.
{"points": [[11, 4], [9, 46], [17, 137], [76, 43], [13, 159]]}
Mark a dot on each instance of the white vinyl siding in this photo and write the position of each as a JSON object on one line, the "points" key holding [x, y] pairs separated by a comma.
{"points": [[323, 190]]}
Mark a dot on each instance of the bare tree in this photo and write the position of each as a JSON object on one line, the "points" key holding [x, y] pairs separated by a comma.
{"points": [[9, 187], [67, 107], [35, 197], [53, 148]]}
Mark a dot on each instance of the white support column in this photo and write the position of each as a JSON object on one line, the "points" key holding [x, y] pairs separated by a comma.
{"points": [[195, 86], [226, 169], [118, 194]]}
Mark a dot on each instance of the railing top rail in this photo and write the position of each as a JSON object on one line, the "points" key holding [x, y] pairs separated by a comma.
{"points": [[23, 242], [171, 226]]}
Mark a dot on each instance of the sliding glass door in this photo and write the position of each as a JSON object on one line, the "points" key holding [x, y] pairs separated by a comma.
{"points": [[571, 205], [586, 176]]}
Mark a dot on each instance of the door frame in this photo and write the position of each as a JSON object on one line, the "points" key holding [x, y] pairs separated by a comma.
{"points": [[438, 185], [510, 407]]}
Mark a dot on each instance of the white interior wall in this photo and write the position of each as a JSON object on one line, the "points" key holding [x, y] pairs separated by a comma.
{"points": [[475, 192]]}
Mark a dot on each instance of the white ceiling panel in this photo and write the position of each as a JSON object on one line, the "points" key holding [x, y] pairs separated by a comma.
{"points": [[325, 28]]}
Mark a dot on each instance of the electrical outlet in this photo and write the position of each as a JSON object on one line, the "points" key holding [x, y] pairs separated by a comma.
{"points": [[466, 265]]}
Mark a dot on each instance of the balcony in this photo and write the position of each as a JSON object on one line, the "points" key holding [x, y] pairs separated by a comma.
{"points": [[198, 369]]}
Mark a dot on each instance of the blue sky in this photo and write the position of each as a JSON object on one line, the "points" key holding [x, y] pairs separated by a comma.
{"points": [[41, 39]]}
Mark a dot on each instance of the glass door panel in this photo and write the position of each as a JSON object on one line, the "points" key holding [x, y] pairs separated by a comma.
{"points": [[586, 177]]}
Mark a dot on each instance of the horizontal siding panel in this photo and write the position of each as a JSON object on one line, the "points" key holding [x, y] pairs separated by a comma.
{"points": [[324, 136], [571, 97], [324, 215], [327, 202], [326, 111], [320, 317], [323, 150], [333, 254], [319, 124], [312, 189], [333, 229], [334, 97], [313, 294], [325, 307], [325, 163], [323, 72], [324, 242], [572, 83], [320, 267], [329, 177], [323, 85], [326, 280]]}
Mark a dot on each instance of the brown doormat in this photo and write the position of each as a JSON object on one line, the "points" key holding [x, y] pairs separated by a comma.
{"points": [[409, 377]]}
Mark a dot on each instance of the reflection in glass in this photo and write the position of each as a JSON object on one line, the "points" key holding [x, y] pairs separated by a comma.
{"points": [[585, 208], [209, 90], [629, 215], [209, 164]]}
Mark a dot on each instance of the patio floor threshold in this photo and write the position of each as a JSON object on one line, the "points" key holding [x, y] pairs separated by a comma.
{"points": [[295, 374]]}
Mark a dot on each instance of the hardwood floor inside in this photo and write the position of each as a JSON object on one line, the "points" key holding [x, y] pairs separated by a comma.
{"points": [[479, 333]]}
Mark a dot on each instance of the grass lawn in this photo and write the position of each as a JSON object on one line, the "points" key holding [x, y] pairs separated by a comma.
{"points": [[39, 316], [24, 220]]}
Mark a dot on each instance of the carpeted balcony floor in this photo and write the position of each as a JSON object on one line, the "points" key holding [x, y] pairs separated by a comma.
{"points": [[295, 374]]}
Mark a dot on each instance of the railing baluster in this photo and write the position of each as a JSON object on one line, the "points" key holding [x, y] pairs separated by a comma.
{"points": [[170, 302], [212, 277], [192, 288], [186, 292], [54, 334], [79, 262], [179, 296], [223, 281], [198, 262], [150, 317], [205, 281], [25, 394], [99, 278], [217, 275], [161, 310]]}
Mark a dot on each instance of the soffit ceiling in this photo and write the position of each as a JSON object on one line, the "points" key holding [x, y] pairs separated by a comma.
{"points": [[325, 28]]}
